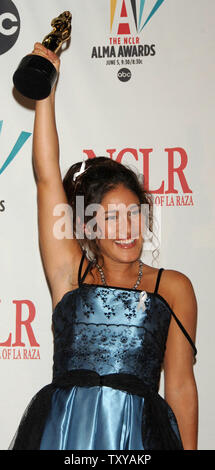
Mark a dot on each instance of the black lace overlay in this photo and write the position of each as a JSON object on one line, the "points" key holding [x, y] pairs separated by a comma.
{"points": [[102, 329]]}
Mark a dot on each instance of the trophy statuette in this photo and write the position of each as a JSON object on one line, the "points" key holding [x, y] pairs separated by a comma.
{"points": [[36, 75]]}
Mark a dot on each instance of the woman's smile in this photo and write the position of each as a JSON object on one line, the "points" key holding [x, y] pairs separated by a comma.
{"points": [[125, 244]]}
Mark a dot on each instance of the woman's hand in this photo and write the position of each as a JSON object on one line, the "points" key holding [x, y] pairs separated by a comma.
{"points": [[39, 49]]}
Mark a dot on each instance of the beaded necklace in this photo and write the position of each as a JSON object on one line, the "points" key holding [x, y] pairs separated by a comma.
{"points": [[140, 274]]}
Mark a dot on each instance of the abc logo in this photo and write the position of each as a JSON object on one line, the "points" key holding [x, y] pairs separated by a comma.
{"points": [[124, 75], [9, 25]]}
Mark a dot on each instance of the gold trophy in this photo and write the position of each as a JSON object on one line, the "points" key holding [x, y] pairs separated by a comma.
{"points": [[36, 75]]}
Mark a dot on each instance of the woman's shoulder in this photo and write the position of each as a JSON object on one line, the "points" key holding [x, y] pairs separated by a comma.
{"points": [[169, 277], [176, 280], [178, 287], [174, 286]]}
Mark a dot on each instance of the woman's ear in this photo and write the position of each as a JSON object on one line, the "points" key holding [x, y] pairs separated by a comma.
{"points": [[87, 231], [80, 228]]}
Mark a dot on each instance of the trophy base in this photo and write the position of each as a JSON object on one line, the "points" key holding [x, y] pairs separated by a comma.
{"points": [[35, 77]]}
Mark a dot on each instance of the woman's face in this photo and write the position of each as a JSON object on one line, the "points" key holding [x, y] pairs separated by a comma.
{"points": [[120, 225]]}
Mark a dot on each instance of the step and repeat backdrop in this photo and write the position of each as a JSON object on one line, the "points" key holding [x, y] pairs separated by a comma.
{"points": [[136, 85]]}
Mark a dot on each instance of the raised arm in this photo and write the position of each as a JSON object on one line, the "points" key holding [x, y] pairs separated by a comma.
{"points": [[60, 257]]}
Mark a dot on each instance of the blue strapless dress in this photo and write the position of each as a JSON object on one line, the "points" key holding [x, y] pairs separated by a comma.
{"points": [[109, 331]]}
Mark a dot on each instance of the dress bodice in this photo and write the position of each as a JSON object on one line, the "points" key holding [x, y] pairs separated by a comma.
{"points": [[108, 329]]}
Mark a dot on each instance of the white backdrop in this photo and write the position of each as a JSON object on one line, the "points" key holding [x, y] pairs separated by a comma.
{"points": [[167, 104]]}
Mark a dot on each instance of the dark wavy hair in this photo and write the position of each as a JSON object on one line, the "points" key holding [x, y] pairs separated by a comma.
{"points": [[102, 175]]}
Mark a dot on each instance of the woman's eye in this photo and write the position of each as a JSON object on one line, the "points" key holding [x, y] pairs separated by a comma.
{"points": [[131, 213], [135, 212], [110, 217]]}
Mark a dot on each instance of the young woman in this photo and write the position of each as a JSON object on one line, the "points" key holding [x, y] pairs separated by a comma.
{"points": [[116, 320]]}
